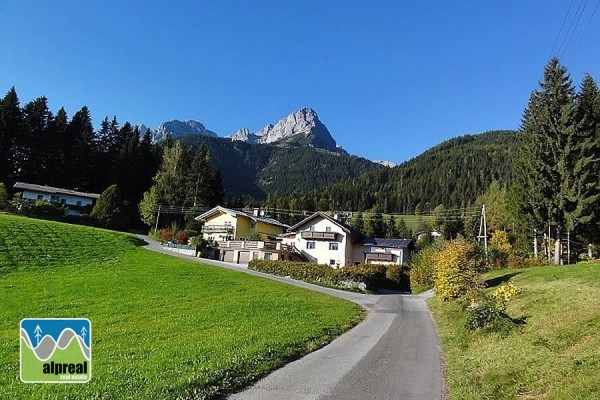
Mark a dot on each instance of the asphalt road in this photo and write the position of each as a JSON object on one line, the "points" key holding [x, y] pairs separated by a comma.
{"points": [[393, 354]]}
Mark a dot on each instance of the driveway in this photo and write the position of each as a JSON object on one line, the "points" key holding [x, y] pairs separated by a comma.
{"points": [[393, 354]]}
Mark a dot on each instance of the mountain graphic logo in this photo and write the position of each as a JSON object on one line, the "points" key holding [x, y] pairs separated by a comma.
{"points": [[56, 350]]}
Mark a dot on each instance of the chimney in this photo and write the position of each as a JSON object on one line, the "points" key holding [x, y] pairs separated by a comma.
{"points": [[255, 212]]}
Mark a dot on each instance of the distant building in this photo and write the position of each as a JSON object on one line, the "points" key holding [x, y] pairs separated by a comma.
{"points": [[70, 199]]}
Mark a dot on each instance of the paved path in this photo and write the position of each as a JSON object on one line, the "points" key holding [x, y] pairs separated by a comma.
{"points": [[393, 354]]}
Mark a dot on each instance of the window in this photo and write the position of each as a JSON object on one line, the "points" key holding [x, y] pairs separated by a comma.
{"points": [[227, 223], [268, 256], [40, 197], [311, 228], [333, 246], [388, 249], [328, 229], [373, 249], [310, 245], [78, 204], [331, 262]]}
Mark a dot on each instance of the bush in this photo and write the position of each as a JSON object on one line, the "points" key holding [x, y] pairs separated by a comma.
{"points": [[166, 235], [373, 276], [456, 270], [3, 197], [500, 249], [182, 238], [45, 210], [489, 315], [397, 278], [421, 265]]}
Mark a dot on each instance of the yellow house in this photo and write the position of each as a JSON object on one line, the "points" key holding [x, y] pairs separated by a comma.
{"points": [[223, 224]]}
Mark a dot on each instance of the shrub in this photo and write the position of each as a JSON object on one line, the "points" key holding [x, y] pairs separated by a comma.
{"points": [[3, 197], [397, 278], [421, 265], [181, 238], [500, 249], [456, 270], [155, 234], [488, 314], [45, 210], [166, 235], [373, 276], [197, 241]]}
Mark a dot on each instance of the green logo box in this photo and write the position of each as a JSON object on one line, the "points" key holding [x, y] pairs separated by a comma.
{"points": [[56, 350]]}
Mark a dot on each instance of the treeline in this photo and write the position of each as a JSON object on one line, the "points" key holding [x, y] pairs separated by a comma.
{"points": [[38, 146], [451, 174]]}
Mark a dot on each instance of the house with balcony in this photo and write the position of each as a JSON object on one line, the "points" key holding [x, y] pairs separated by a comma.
{"points": [[239, 236], [72, 200], [324, 239], [222, 224]]}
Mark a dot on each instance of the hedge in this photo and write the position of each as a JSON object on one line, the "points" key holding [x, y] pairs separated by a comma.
{"points": [[373, 276]]}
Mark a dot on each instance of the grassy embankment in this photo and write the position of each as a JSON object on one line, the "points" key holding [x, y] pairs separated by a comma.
{"points": [[162, 327], [555, 355]]}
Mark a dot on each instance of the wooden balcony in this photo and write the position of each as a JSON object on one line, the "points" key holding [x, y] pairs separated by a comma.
{"points": [[217, 228], [385, 257], [314, 235]]}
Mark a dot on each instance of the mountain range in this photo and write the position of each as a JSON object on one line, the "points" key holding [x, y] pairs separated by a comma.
{"points": [[302, 128]]}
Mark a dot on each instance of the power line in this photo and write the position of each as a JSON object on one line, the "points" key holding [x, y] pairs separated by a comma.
{"points": [[571, 32], [584, 31], [561, 28]]}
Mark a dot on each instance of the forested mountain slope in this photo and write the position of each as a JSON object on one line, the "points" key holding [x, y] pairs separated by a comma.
{"points": [[259, 170], [453, 173]]}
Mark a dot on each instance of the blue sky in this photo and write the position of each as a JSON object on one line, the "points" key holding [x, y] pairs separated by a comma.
{"points": [[390, 79]]}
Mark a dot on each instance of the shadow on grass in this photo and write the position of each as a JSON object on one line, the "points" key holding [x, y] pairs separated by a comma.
{"points": [[136, 241], [499, 280]]}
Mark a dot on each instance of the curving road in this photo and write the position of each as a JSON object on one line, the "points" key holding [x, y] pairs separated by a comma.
{"points": [[393, 354]]}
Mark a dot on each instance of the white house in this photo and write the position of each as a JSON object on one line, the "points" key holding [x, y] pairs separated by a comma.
{"points": [[325, 240], [55, 195]]}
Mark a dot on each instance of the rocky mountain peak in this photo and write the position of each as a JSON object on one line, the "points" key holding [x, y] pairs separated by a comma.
{"points": [[180, 128], [302, 126]]}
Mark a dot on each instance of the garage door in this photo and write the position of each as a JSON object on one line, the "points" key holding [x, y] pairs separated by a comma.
{"points": [[244, 257], [228, 256]]}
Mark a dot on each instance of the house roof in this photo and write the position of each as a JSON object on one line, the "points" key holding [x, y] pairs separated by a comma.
{"points": [[218, 209], [384, 242], [53, 190], [320, 214]]}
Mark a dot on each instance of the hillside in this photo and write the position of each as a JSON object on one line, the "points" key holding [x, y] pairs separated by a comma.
{"points": [[162, 327], [259, 170], [452, 173], [554, 355]]}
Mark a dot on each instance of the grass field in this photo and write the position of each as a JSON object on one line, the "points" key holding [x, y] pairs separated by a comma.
{"points": [[555, 355], [162, 327]]}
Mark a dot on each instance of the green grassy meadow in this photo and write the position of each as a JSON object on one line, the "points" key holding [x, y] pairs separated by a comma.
{"points": [[555, 355], [163, 327]]}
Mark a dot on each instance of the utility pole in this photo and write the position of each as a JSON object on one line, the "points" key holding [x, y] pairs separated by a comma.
{"points": [[535, 244], [557, 249], [568, 247], [157, 217], [483, 231]]}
